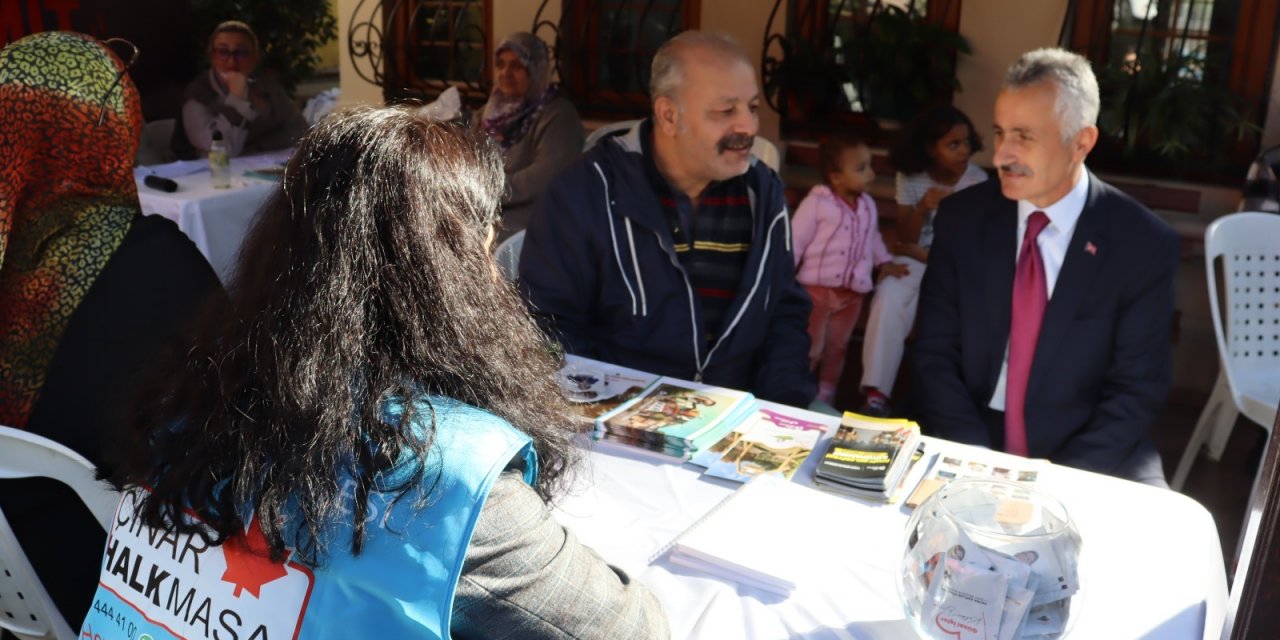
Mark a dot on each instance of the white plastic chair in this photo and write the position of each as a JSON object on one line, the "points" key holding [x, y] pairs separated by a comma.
{"points": [[1249, 345], [605, 130], [26, 610], [767, 152], [507, 255], [762, 148]]}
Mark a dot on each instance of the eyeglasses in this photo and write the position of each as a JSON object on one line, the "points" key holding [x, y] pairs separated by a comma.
{"points": [[232, 54], [133, 59]]}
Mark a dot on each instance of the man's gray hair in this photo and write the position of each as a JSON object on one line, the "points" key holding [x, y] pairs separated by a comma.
{"points": [[667, 73], [1076, 101]]}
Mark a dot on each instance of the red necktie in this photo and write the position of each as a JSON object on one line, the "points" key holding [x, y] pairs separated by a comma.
{"points": [[1030, 297]]}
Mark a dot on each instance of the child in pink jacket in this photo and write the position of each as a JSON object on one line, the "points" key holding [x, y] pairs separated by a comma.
{"points": [[837, 246]]}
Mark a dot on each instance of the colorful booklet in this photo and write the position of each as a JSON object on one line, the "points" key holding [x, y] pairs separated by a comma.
{"points": [[949, 467], [869, 454], [893, 497], [677, 415], [271, 173], [712, 452], [776, 440]]}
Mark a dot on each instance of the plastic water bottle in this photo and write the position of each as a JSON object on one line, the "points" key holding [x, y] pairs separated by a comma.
{"points": [[219, 162]]}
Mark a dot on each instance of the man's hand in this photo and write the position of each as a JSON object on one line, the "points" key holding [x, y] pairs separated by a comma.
{"points": [[892, 270], [237, 84]]}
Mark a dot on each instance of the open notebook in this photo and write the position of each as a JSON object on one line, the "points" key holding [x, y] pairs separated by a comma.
{"points": [[764, 535]]}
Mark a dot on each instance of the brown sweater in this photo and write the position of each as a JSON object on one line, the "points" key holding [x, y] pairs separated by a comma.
{"points": [[551, 145]]}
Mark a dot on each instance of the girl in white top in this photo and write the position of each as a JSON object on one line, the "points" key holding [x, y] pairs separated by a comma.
{"points": [[933, 161]]}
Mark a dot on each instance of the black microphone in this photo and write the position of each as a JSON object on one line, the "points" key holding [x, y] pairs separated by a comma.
{"points": [[160, 184]]}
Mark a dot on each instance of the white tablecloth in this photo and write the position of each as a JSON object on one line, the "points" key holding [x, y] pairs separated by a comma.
{"points": [[1151, 566], [216, 220]]}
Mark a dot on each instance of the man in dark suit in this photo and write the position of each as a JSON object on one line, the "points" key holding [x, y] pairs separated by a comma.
{"points": [[1044, 316]]}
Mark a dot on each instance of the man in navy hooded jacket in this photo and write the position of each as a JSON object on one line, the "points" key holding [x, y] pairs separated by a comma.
{"points": [[668, 249]]}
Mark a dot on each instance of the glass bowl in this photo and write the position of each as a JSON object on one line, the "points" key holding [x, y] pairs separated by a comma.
{"points": [[989, 558]]}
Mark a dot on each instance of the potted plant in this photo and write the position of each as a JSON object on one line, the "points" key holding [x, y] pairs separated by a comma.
{"points": [[901, 62], [888, 65], [1171, 104], [806, 80]]}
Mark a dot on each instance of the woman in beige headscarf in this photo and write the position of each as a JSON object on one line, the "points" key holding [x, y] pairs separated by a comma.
{"points": [[539, 130], [250, 111]]}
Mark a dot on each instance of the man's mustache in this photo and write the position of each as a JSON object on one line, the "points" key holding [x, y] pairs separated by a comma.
{"points": [[735, 141], [1015, 169]]}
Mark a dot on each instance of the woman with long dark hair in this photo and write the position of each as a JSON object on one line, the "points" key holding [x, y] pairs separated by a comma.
{"points": [[336, 455]]}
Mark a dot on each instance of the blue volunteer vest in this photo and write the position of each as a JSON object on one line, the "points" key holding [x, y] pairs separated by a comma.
{"points": [[156, 585]]}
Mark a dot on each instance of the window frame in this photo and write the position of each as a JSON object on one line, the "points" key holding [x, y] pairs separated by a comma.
{"points": [[578, 59], [1089, 32], [808, 20], [401, 80]]}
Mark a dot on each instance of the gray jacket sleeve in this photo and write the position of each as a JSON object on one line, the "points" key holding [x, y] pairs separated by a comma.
{"points": [[525, 576]]}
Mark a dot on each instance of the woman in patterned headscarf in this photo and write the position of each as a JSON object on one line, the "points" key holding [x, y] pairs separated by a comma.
{"points": [[539, 131], [89, 288]]}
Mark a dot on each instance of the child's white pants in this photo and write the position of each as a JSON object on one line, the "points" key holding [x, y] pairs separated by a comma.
{"points": [[892, 315]]}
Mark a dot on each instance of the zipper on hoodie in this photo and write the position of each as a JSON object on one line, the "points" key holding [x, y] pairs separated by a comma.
{"points": [[693, 309], [699, 364], [768, 240]]}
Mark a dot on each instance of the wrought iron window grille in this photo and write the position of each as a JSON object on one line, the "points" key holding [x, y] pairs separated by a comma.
{"points": [[415, 49]]}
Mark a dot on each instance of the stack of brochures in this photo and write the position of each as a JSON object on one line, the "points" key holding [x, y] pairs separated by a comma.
{"points": [[868, 456], [272, 173], [775, 440], [676, 417], [995, 466], [596, 388]]}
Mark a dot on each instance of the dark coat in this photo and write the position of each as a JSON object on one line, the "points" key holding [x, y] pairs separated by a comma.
{"points": [[600, 272], [1102, 365]]}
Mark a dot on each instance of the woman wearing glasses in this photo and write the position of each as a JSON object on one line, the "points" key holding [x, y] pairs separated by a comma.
{"points": [[253, 113], [90, 289]]}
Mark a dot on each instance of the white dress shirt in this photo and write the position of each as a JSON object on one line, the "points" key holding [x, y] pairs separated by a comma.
{"points": [[1053, 243]]}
